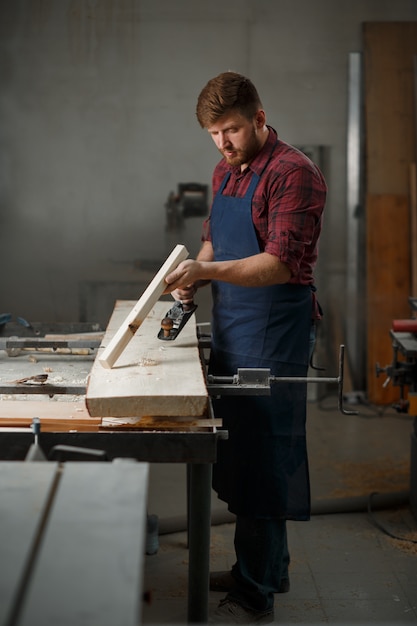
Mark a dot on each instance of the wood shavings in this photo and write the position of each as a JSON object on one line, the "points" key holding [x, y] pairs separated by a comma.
{"points": [[405, 545], [146, 362], [403, 524], [120, 421], [38, 379], [362, 478]]}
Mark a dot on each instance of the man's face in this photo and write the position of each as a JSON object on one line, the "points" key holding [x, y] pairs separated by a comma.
{"points": [[238, 139]]}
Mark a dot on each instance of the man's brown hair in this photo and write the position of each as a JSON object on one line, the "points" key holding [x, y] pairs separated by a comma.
{"points": [[227, 92]]}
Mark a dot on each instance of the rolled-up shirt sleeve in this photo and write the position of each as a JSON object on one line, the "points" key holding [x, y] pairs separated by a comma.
{"points": [[205, 233], [295, 203]]}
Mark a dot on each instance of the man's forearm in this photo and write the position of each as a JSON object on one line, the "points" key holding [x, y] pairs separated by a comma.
{"points": [[206, 252], [259, 270]]}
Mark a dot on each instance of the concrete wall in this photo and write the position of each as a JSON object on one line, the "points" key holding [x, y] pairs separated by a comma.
{"points": [[97, 126]]}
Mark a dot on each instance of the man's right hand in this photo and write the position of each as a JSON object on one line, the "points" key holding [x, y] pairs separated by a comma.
{"points": [[185, 294]]}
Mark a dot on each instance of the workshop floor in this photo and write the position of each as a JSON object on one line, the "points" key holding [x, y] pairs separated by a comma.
{"points": [[345, 569]]}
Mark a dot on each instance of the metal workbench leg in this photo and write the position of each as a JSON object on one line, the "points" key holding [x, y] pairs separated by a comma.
{"points": [[199, 542]]}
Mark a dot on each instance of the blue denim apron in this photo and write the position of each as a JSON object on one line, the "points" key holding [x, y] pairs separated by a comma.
{"points": [[262, 469]]}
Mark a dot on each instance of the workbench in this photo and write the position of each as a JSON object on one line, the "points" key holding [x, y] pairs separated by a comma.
{"points": [[72, 542], [195, 446]]}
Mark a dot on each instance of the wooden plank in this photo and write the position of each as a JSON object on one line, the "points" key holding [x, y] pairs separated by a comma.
{"points": [[54, 416], [50, 425], [89, 567], [389, 50], [388, 275], [24, 494], [76, 336], [134, 319], [39, 408], [183, 424], [153, 377], [413, 227]]}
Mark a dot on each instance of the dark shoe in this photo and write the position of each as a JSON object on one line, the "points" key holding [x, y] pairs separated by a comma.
{"points": [[229, 612], [224, 581]]}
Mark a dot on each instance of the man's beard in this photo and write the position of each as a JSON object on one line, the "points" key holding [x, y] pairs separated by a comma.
{"points": [[245, 155]]}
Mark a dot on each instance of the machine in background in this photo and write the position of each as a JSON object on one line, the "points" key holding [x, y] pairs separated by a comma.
{"points": [[402, 372]]}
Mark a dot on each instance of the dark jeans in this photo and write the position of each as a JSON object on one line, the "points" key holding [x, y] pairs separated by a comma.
{"points": [[262, 561], [263, 558]]}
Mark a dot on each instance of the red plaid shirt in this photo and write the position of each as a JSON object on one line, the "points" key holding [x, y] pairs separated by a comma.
{"points": [[287, 205]]}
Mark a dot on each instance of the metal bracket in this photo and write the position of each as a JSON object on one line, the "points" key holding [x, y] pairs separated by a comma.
{"points": [[258, 381], [14, 345]]}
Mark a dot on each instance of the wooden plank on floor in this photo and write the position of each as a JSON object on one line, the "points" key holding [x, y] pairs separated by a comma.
{"points": [[152, 377]]}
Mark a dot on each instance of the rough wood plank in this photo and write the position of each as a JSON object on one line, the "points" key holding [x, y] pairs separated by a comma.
{"points": [[388, 275], [159, 423], [39, 408], [54, 416], [413, 227], [140, 310], [50, 425], [152, 377], [389, 50]]}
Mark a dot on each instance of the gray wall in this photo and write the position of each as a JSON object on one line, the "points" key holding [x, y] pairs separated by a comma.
{"points": [[97, 126]]}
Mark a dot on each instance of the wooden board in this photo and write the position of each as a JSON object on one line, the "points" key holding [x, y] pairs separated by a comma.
{"points": [[130, 325], [152, 377], [148, 423], [413, 227], [388, 274], [389, 50], [44, 409], [54, 416]]}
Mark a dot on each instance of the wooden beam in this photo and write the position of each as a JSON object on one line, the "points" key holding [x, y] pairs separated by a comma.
{"points": [[153, 377], [413, 227], [130, 325], [42, 409], [54, 416], [388, 254], [389, 50]]}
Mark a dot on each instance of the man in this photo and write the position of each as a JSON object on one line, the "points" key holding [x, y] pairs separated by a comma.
{"points": [[258, 252]]}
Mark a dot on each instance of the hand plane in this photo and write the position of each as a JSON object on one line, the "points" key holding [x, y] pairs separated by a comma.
{"points": [[175, 320]]}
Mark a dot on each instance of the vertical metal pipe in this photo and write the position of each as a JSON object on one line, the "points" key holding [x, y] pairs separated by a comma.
{"points": [[355, 262]]}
